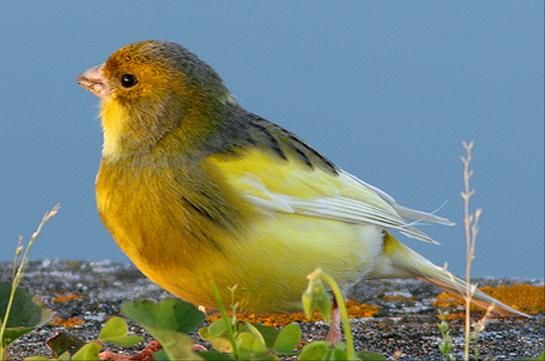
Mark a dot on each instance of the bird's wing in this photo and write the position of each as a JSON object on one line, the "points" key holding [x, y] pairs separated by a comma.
{"points": [[290, 186]]}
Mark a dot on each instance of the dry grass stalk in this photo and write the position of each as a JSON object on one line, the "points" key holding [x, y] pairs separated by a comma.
{"points": [[20, 261], [471, 225]]}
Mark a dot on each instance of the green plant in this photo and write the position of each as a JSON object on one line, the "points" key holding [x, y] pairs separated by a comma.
{"points": [[316, 298], [445, 347], [471, 229], [20, 313], [27, 313], [68, 347], [168, 322], [236, 340]]}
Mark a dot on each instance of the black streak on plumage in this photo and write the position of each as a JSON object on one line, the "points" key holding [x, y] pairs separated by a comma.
{"points": [[199, 210], [272, 142]]}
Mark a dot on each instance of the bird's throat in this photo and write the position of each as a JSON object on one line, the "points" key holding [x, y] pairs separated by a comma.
{"points": [[130, 132]]}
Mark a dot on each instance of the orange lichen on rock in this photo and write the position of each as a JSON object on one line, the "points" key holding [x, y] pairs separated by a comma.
{"points": [[67, 322], [355, 310], [65, 298], [451, 316], [447, 300], [398, 298], [359, 310], [523, 297], [526, 298]]}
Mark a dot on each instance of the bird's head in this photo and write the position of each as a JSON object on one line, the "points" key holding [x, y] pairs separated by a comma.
{"points": [[149, 89]]}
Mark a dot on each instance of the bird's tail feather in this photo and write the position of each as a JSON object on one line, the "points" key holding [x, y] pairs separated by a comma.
{"points": [[406, 261]]}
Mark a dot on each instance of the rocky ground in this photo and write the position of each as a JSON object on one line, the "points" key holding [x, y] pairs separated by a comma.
{"points": [[405, 327]]}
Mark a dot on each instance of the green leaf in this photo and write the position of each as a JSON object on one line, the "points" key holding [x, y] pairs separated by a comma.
{"points": [[316, 298], [221, 344], [254, 331], [338, 353], [64, 342], [250, 346], [27, 313], [114, 327], [204, 332], [217, 328], [371, 356], [216, 334], [167, 322], [315, 351], [24, 312], [215, 356], [173, 313], [269, 333], [287, 339], [64, 357], [13, 333], [125, 341], [251, 343], [88, 352], [116, 331]]}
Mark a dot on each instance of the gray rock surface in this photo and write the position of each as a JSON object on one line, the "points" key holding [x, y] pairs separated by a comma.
{"points": [[402, 330]]}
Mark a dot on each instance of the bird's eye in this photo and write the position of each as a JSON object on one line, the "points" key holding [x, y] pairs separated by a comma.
{"points": [[128, 80]]}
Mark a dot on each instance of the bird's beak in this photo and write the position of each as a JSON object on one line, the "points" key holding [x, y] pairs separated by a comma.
{"points": [[94, 81]]}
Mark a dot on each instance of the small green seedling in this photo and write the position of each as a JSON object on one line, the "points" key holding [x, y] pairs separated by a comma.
{"points": [[322, 350], [445, 347], [316, 298], [236, 340]]}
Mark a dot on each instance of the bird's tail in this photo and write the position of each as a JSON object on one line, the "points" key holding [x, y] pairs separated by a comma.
{"points": [[403, 261]]}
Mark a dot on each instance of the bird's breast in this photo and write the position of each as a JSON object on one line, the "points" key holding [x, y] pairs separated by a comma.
{"points": [[148, 214]]}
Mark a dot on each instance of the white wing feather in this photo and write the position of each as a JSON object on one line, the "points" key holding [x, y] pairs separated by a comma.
{"points": [[402, 210], [374, 206]]}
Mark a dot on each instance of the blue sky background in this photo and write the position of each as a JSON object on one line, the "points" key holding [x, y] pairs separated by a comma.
{"points": [[387, 90]]}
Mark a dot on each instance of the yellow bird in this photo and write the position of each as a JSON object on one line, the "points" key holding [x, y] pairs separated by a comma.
{"points": [[196, 189]]}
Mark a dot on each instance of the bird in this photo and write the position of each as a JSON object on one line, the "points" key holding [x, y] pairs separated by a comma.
{"points": [[196, 189]]}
